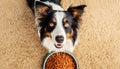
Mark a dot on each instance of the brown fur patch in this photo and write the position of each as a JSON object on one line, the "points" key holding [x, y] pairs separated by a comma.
{"points": [[54, 20], [67, 25], [42, 11], [48, 34], [76, 13], [69, 35]]}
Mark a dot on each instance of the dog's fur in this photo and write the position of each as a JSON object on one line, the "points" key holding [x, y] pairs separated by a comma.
{"points": [[57, 28]]}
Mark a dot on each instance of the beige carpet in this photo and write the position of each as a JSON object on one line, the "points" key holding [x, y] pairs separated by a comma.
{"points": [[99, 45]]}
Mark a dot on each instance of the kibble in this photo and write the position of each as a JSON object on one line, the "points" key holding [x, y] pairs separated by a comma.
{"points": [[60, 60]]}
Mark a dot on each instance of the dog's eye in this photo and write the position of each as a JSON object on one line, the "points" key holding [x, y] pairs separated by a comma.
{"points": [[51, 24], [67, 25], [65, 20]]}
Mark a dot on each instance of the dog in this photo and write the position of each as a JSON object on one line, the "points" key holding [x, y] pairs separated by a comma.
{"points": [[57, 28]]}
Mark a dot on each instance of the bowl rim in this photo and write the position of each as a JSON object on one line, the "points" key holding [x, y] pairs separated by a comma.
{"points": [[52, 52]]}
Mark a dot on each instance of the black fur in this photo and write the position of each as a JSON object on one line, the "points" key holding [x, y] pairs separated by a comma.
{"points": [[56, 1], [79, 8], [73, 26]]}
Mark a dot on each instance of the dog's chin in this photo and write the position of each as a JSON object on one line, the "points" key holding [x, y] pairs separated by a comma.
{"points": [[58, 45]]}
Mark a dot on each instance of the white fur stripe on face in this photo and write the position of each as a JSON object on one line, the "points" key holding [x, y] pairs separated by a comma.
{"points": [[59, 29], [37, 0]]}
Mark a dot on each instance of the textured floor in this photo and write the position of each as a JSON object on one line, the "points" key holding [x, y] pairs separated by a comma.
{"points": [[99, 45]]}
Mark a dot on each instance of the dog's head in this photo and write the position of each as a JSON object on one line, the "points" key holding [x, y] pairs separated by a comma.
{"points": [[57, 28]]}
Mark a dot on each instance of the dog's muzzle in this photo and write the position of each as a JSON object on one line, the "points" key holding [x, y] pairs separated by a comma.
{"points": [[59, 39]]}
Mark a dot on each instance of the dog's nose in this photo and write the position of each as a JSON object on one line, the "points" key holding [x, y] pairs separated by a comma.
{"points": [[59, 39]]}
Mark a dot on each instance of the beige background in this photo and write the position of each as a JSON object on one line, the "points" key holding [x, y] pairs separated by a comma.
{"points": [[99, 46]]}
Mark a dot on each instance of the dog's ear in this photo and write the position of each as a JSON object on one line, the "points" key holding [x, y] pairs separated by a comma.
{"points": [[76, 11], [41, 9]]}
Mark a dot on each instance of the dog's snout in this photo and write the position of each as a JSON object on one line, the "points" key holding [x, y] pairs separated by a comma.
{"points": [[59, 39]]}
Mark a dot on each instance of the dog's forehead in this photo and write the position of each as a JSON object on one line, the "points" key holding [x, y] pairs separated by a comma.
{"points": [[59, 15]]}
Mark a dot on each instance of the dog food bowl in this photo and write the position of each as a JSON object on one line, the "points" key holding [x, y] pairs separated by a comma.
{"points": [[60, 60]]}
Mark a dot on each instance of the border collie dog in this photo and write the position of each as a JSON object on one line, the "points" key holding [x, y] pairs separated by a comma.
{"points": [[57, 28]]}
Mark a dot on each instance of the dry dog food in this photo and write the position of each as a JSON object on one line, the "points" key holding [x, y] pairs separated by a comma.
{"points": [[60, 60]]}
